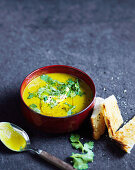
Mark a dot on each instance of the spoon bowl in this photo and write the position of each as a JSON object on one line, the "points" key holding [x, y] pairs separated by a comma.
{"points": [[24, 134], [43, 154]]}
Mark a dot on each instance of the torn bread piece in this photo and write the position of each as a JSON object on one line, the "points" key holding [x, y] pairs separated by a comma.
{"points": [[126, 136], [112, 115], [97, 119]]}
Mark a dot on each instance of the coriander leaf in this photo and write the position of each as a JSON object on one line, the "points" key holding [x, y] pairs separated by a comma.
{"points": [[78, 163], [71, 107], [74, 88], [37, 110], [62, 87], [69, 112], [31, 95], [88, 146], [72, 94], [42, 92], [74, 137], [68, 93], [44, 77], [34, 107], [80, 93], [49, 80], [68, 104], [77, 145], [70, 82], [53, 103], [77, 86], [45, 98], [88, 157]]}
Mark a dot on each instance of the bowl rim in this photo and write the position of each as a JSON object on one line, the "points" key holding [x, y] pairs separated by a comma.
{"points": [[66, 66]]}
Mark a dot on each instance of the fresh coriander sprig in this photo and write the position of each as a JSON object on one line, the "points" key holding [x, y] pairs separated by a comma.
{"points": [[80, 161]]}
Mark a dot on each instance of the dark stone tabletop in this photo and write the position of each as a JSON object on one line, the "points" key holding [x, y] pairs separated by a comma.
{"points": [[96, 36]]}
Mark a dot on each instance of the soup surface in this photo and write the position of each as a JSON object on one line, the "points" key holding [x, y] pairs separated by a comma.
{"points": [[57, 94]]}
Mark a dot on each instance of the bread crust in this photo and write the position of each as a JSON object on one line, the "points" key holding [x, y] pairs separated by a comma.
{"points": [[125, 137], [112, 115], [97, 119]]}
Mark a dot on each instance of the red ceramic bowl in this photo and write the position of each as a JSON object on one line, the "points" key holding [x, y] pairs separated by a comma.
{"points": [[57, 124]]}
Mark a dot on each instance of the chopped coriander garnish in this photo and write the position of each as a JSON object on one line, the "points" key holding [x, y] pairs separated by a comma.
{"points": [[34, 107], [80, 93], [49, 80], [44, 77], [80, 161], [71, 107], [53, 103], [45, 98], [42, 92], [31, 95], [53, 88]]}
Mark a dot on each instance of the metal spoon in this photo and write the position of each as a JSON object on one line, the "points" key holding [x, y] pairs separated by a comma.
{"points": [[43, 154]]}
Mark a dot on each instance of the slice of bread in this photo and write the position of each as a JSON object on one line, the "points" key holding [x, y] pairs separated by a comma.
{"points": [[112, 115], [97, 119], [126, 136]]}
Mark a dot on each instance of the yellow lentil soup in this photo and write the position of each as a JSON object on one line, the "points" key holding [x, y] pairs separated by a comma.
{"points": [[57, 94]]}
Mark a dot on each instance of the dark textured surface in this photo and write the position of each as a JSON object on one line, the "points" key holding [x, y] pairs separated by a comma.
{"points": [[97, 36]]}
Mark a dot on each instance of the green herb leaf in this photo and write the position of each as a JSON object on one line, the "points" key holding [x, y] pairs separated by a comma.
{"points": [[74, 137], [75, 142], [44, 77], [34, 107], [78, 163], [71, 107], [77, 145], [80, 93], [69, 112], [42, 92], [72, 94], [53, 103], [88, 146], [31, 95], [73, 87], [49, 80], [88, 157], [81, 160], [45, 98], [68, 93]]}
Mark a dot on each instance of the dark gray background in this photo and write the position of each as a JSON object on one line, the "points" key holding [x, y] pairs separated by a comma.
{"points": [[97, 36]]}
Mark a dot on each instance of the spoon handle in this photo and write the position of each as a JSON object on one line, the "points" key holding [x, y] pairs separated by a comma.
{"points": [[55, 161]]}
